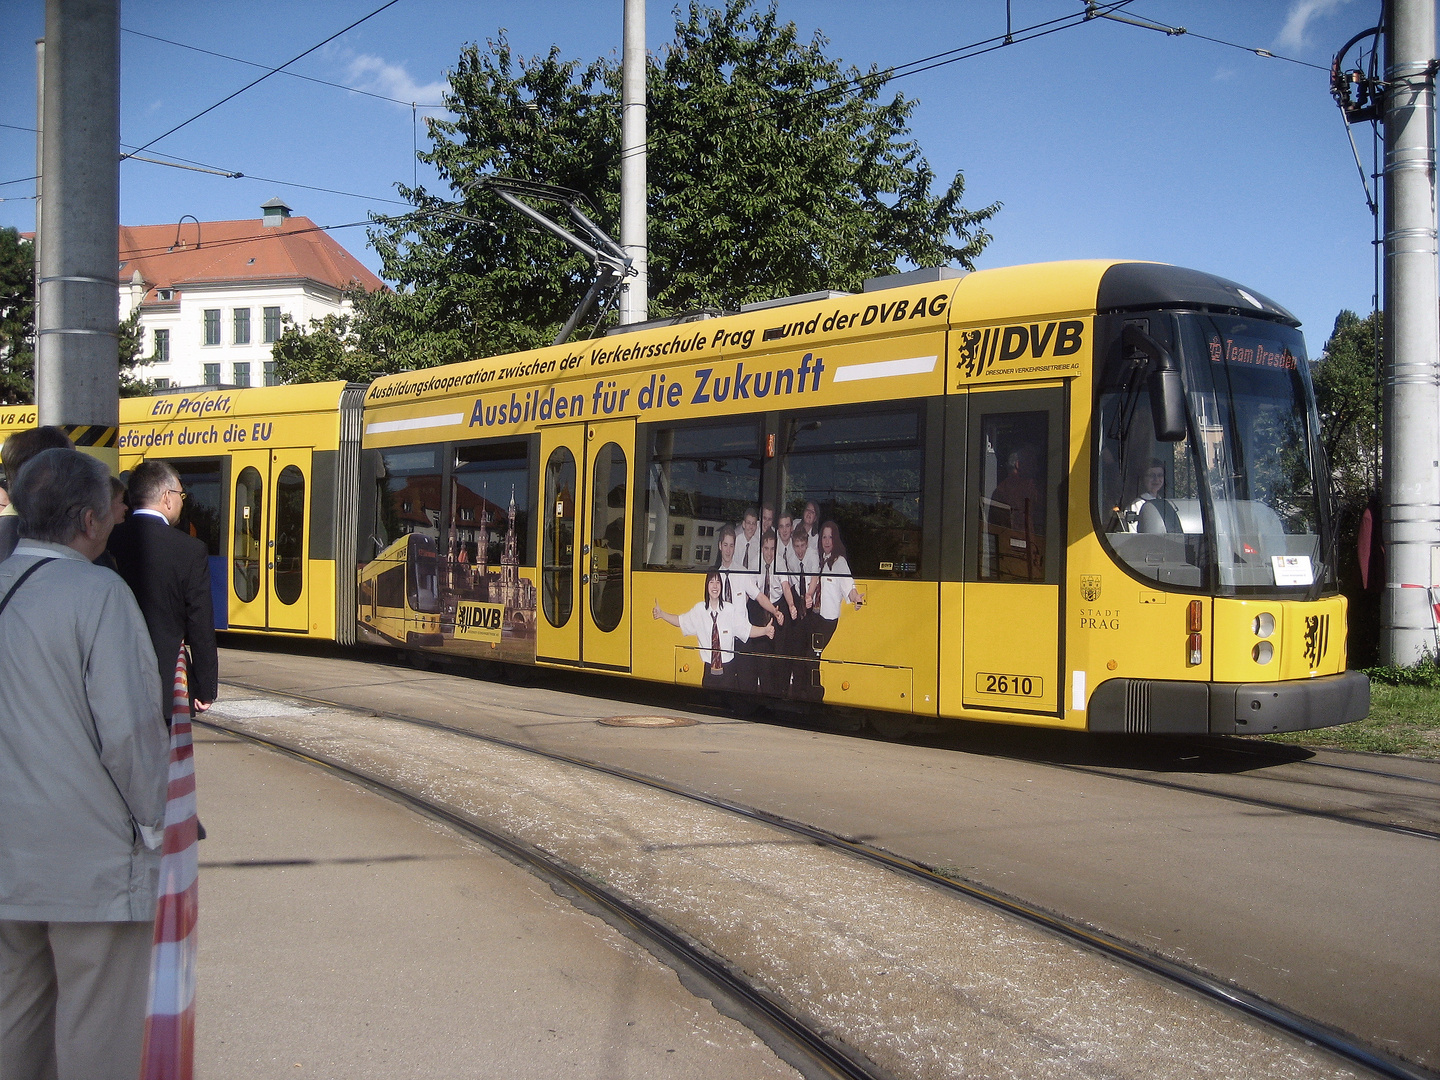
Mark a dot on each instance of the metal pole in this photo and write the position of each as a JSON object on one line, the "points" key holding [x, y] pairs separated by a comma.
{"points": [[1412, 335], [634, 294], [76, 355], [39, 157]]}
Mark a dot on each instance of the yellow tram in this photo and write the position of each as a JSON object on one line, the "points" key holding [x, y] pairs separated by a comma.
{"points": [[272, 482], [1082, 495]]}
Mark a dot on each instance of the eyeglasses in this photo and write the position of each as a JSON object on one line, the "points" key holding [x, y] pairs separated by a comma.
{"points": [[176, 491]]}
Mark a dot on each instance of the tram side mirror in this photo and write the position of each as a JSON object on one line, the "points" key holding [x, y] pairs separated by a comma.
{"points": [[1162, 380]]}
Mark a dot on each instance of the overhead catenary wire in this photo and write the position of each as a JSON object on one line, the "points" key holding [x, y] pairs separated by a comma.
{"points": [[876, 79], [268, 73], [279, 71], [1146, 23]]}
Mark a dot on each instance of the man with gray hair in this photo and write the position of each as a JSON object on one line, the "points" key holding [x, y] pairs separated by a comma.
{"points": [[19, 448], [169, 573], [83, 759]]}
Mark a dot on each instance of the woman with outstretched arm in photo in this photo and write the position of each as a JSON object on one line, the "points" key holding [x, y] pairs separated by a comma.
{"points": [[716, 625]]}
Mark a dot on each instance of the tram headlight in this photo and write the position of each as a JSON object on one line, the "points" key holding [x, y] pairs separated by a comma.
{"points": [[1264, 625], [1263, 652]]}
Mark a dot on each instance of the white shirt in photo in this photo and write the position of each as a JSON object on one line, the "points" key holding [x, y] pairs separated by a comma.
{"points": [[732, 620], [835, 586]]}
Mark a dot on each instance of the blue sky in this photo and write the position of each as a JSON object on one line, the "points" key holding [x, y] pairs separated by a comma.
{"points": [[1103, 140]]}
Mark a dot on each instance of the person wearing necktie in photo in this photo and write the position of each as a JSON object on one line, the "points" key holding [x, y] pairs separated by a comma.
{"points": [[766, 604], [784, 534], [727, 566], [717, 626], [747, 541], [802, 590], [836, 587]]}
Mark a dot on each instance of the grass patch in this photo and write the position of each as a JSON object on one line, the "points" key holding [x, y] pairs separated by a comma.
{"points": [[1404, 719]]}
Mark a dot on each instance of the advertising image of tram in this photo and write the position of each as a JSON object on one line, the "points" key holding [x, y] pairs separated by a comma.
{"points": [[1083, 495]]}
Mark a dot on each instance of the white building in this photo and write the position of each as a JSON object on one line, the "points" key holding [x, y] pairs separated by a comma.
{"points": [[212, 294]]}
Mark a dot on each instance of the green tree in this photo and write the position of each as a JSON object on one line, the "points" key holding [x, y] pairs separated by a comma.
{"points": [[773, 168], [1351, 429], [1350, 416], [131, 339], [17, 319], [329, 349]]}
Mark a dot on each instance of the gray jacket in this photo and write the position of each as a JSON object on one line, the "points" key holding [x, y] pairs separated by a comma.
{"points": [[83, 746]]}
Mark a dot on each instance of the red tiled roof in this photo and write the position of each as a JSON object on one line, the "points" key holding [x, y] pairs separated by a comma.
{"points": [[246, 250]]}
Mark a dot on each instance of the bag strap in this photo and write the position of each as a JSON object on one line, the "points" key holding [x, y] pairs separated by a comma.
{"points": [[23, 578]]}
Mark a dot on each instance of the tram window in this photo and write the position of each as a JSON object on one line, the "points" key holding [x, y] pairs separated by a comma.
{"points": [[864, 471], [607, 537], [702, 475], [1013, 482], [557, 563], [408, 495], [490, 506], [248, 549], [289, 535], [202, 510], [390, 588]]}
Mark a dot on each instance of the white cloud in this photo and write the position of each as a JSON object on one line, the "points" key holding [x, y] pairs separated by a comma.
{"points": [[377, 75], [1302, 13]]}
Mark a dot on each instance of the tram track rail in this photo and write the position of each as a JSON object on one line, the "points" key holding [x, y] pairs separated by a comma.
{"points": [[796, 1040], [1214, 989], [1354, 819]]}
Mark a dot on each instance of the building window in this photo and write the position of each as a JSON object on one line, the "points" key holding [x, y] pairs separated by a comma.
{"points": [[242, 374], [162, 347], [242, 326], [702, 554], [165, 294], [272, 325], [212, 326], [212, 374], [677, 553], [270, 378], [162, 384]]}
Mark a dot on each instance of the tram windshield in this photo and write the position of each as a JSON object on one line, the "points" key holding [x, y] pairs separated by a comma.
{"points": [[1237, 506]]}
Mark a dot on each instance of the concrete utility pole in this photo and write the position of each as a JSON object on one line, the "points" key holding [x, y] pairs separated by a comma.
{"points": [[634, 294], [1412, 335], [39, 149], [78, 296]]}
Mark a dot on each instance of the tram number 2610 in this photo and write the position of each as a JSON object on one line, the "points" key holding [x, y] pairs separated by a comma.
{"points": [[987, 682]]}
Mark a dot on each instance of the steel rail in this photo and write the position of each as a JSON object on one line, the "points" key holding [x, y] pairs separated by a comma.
{"points": [[802, 1045], [1247, 800], [1214, 989]]}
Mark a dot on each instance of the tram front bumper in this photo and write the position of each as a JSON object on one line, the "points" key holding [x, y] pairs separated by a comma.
{"points": [[1165, 707]]}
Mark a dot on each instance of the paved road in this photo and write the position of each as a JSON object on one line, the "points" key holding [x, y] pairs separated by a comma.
{"points": [[342, 935], [1335, 920]]}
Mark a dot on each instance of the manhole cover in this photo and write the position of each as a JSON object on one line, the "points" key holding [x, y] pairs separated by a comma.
{"points": [[648, 721]]}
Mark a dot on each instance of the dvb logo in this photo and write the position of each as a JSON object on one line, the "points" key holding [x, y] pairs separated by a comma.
{"points": [[980, 350]]}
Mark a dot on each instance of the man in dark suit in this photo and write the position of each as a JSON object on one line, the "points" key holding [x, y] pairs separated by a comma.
{"points": [[169, 572]]}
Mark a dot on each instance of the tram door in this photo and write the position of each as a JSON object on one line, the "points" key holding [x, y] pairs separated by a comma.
{"points": [[557, 629], [585, 608], [605, 547], [1014, 550], [270, 504]]}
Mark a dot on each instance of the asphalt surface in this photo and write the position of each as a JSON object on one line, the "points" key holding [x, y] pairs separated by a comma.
{"points": [[343, 935], [1328, 917]]}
